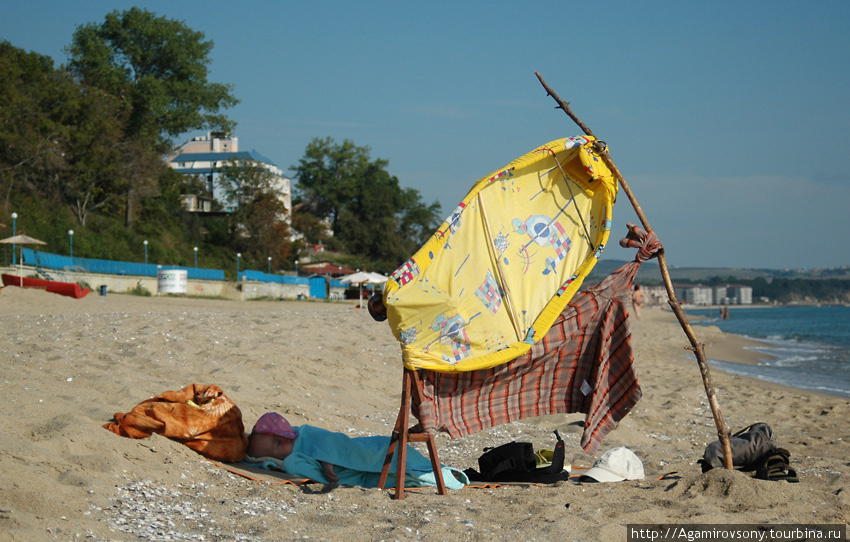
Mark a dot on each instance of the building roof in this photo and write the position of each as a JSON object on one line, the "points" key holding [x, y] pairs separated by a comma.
{"points": [[326, 268], [221, 157]]}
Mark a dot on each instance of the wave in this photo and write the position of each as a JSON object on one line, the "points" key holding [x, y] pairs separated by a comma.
{"points": [[792, 377], [806, 348]]}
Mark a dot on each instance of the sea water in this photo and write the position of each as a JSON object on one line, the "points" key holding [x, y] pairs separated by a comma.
{"points": [[803, 347]]}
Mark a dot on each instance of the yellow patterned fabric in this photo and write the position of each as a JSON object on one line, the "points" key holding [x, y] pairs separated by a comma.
{"points": [[498, 272]]}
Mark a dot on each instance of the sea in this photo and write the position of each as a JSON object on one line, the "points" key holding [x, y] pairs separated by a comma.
{"points": [[804, 347]]}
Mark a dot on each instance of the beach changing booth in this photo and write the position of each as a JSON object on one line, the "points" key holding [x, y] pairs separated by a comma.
{"points": [[486, 312]]}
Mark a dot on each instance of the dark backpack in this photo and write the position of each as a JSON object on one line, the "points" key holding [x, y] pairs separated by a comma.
{"points": [[748, 446], [515, 462]]}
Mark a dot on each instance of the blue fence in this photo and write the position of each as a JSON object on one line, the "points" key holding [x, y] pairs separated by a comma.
{"points": [[259, 276], [47, 260]]}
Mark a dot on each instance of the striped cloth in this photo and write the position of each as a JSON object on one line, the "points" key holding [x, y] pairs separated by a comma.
{"points": [[584, 363]]}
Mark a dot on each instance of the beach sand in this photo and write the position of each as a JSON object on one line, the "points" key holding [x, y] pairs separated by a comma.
{"points": [[68, 365]]}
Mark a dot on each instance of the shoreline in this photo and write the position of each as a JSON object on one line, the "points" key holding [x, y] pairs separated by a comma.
{"points": [[753, 357], [721, 346], [67, 365]]}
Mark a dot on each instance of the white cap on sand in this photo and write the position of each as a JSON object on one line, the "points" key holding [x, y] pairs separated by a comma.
{"points": [[615, 466]]}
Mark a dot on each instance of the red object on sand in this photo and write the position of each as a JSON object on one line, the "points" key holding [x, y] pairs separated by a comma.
{"points": [[70, 289]]}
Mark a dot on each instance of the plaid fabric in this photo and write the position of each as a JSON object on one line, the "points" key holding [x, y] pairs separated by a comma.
{"points": [[584, 363]]}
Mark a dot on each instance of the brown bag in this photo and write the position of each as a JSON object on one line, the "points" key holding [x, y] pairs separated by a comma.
{"points": [[201, 417]]}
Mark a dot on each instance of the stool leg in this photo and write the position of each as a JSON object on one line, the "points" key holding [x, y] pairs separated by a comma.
{"points": [[388, 460], [404, 415], [401, 437], [435, 464], [416, 384], [399, 428]]}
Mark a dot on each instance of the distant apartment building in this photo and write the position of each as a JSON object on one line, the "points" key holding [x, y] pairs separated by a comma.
{"points": [[694, 294], [655, 295], [698, 294], [204, 157], [719, 295], [739, 295]]}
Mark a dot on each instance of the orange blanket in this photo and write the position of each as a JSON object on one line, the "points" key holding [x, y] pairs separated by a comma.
{"points": [[201, 417]]}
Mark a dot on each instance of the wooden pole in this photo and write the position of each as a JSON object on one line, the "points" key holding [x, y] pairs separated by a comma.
{"points": [[697, 347]]}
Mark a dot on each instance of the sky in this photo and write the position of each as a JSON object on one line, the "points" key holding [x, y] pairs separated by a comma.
{"points": [[730, 121]]}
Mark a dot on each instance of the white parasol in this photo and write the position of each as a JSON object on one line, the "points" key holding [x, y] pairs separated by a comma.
{"points": [[377, 278], [22, 240], [360, 278]]}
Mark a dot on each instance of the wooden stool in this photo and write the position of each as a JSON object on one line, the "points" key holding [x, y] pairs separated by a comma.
{"points": [[402, 434]]}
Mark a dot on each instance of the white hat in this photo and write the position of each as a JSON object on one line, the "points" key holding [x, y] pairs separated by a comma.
{"points": [[615, 466]]}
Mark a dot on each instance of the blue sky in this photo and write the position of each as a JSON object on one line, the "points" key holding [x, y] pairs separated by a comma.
{"points": [[729, 120]]}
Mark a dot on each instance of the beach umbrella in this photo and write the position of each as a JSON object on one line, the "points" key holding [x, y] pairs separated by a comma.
{"points": [[22, 240], [360, 278], [377, 278]]}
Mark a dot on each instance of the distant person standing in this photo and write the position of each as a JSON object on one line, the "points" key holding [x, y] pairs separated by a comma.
{"points": [[637, 300]]}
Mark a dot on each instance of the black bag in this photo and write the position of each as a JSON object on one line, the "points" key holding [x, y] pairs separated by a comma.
{"points": [[748, 445], [515, 462], [513, 457]]}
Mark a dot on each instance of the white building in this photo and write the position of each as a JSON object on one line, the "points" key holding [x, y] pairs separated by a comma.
{"points": [[693, 294], [203, 157], [697, 294], [720, 295], [733, 294], [655, 295], [739, 294]]}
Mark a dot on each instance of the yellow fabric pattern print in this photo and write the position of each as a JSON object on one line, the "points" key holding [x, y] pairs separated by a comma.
{"points": [[496, 274]]}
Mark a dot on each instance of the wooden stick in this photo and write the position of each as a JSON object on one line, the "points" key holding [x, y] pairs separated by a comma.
{"points": [[696, 345]]}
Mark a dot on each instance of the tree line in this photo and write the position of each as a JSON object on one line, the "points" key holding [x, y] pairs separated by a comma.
{"points": [[82, 147]]}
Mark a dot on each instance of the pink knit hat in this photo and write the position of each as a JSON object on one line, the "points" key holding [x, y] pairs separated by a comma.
{"points": [[272, 423]]}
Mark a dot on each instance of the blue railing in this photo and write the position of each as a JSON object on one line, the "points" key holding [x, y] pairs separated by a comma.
{"points": [[260, 276], [58, 262], [47, 260]]}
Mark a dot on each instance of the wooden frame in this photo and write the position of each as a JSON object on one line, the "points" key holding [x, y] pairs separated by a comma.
{"points": [[403, 433]]}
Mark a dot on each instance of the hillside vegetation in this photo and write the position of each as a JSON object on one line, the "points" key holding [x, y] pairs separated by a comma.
{"points": [[82, 146], [826, 285]]}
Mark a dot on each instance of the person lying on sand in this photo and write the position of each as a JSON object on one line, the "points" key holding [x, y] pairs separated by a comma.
{"points": [[330, 458], [274, 437]]}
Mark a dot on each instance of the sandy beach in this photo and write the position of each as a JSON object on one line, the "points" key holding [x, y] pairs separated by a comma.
{"points": [[67, 365]]}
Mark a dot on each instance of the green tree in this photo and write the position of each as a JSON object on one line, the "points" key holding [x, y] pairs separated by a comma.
{"points": [[418, 220], [243, 181], [35, 100], [370, 214], [258, 223], [312, 228], [327, 176], [157, 68], [61, 142], [97, 170], [265, 232]]}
